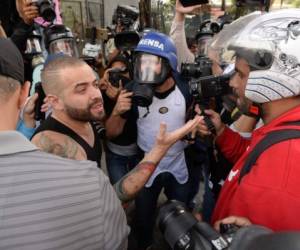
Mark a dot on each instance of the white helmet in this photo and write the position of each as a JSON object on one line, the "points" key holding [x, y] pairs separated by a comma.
{"points": [[270, 43]]}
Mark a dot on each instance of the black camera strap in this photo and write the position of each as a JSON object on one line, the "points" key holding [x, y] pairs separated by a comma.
{"points": [[270, 139]]}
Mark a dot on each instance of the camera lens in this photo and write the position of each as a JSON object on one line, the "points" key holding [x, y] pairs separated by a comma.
{"points": [[47, 11], [175, 222], [191, 70]]}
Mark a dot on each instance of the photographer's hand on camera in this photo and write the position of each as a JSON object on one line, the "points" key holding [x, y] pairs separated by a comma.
{"points": [[215, 119], [233, 220], [111, 91], [123, 104], [27, 11], [115, 123]]}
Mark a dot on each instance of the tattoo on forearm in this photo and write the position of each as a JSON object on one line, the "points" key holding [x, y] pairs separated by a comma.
{"points": [[67, 149], [128, 187]]}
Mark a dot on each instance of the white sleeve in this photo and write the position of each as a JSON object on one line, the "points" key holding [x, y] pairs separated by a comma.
{"points": [[177, 33]]}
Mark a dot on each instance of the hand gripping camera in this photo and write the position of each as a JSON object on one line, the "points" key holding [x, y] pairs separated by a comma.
{"points": [[182, 231], [46, 9]]}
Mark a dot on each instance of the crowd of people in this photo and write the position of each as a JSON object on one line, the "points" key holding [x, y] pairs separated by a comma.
{"points": [[142, 116]]}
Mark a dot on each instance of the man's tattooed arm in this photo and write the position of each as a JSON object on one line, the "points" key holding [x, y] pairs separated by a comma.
{"points": [[128, 186], [60, 145]]}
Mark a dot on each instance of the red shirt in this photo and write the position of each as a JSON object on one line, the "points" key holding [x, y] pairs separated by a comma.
{"points": [[270, 194]]}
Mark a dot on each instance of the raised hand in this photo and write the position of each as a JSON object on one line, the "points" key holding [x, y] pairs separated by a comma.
{"points": [[164, 139], [27, 11]]}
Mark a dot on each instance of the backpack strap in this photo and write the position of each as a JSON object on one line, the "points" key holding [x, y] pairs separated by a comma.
{"points": [[270, 139]]}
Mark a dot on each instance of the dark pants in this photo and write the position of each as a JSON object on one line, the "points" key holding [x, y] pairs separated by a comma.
{"points": [[146, 203], [118, 165]]}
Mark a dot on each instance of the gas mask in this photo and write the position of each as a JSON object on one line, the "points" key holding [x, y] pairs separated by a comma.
{"points": [[150, 71]]}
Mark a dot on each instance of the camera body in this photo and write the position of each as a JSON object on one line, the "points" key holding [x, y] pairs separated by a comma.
{"points": [[46, 9], [128, 38], [210, 86], [252, 3], [125, 15], [115, 75], [181, 230], [186, 3], [203, 84], [200, 68]]}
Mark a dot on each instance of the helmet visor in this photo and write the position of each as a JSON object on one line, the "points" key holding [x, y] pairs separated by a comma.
{"points": [[221, 45], [203, 43], [150, 69], [66, 46]]}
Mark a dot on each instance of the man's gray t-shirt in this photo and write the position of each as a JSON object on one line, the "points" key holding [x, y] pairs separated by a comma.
{"points": [[48, 202]]}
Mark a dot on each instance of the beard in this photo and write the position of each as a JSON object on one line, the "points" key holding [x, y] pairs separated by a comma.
{"points": [[86, 114], [244, 105]]}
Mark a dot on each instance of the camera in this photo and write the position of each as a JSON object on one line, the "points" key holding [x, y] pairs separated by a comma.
{"points": [[201, 67], [203, 84], [210, 86], [46, 9], [115, 75], [125, 15], [127, 40], [181, 230], [219, 24], [252, 3], [186, 3]]}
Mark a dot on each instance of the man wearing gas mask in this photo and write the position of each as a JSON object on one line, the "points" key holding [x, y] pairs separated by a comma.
{"points": [[157, 94]]}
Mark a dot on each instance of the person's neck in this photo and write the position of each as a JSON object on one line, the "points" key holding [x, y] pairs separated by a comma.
{"points": [[81, 127], [7, 124], [272, 110], [168, 84], [8, 118]]}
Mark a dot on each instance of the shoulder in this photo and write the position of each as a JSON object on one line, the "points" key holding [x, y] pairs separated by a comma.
{"points": [[184, 88], [59, 144]]}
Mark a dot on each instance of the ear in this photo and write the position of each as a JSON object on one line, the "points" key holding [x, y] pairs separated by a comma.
{"points": [[23, 94], [55, 102]]}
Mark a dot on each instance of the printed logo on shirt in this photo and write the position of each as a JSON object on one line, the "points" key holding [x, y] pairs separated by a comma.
{"points": [[163, 110], [232, 174]]}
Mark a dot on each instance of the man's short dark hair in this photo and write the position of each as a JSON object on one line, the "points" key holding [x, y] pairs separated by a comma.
{"points": [[51, 74], [8, 86]]}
